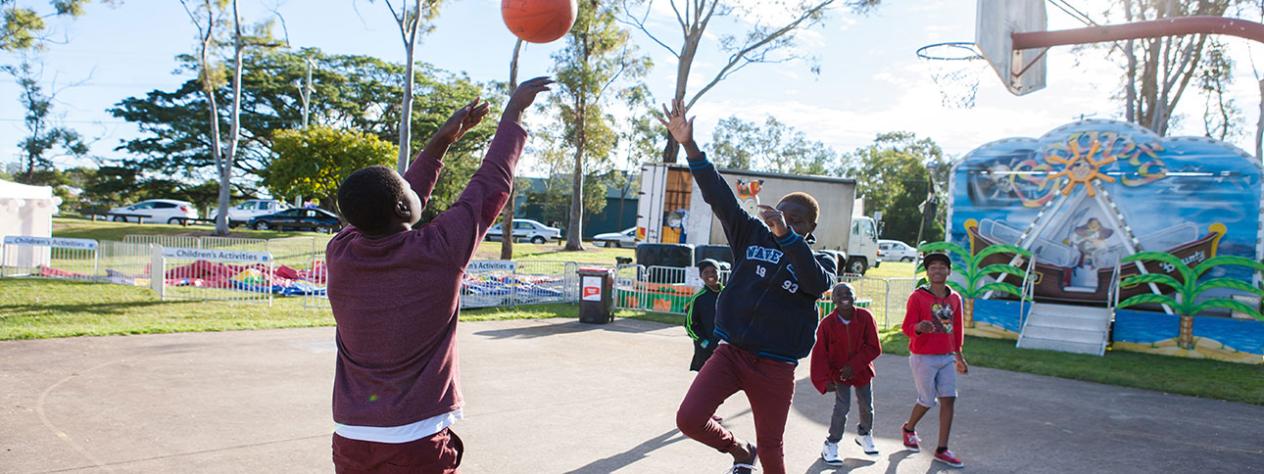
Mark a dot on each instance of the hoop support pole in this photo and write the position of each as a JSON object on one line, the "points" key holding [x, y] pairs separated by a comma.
{"points": [[1211, 25]]}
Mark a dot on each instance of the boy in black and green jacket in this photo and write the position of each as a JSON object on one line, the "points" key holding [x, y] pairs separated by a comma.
{"points": [[700, 314]]}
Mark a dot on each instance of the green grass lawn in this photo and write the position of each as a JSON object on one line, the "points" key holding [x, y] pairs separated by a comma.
{"points": [[891, 270], [75, 228], [38, 309]]}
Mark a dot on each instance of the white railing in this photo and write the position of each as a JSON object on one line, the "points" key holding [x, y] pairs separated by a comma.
{"points": [[1028, 293]]}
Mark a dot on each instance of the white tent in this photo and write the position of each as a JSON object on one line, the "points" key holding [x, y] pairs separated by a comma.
{"points": [[26, 211]]}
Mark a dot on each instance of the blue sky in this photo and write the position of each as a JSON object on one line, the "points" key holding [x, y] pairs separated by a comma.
{"points": [[870, 80]]}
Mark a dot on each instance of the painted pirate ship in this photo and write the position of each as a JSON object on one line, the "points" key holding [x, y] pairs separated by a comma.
{"points": [[1092, 192]]}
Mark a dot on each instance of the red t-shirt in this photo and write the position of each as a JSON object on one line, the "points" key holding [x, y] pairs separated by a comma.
{"points": [[943, 313]]}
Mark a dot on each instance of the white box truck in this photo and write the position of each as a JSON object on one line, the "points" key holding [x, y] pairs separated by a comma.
{"points": [[670, 209]]}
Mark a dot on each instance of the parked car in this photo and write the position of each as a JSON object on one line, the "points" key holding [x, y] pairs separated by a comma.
{"points": [[157, 210], [625, 238], [529, 230], [242, 213], [318, 220], [896, 251]]}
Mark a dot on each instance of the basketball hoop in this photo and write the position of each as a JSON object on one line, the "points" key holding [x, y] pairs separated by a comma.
{"points": [[955, 67]]}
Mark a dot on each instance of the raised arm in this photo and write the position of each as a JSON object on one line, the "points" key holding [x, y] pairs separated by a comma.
{"points": [[463, 225], [737, 223], [424, 172]]}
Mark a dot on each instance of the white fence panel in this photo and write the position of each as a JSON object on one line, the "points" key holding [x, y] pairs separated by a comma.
{"points": [[45, 257]]}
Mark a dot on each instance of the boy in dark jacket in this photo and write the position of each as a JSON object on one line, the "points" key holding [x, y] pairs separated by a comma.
{"points": [[765, 318], [393, 288], [842, 361], [700, 314]]}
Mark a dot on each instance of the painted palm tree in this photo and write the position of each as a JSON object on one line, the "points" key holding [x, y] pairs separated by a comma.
{"points": [[1187, 289], [974, 275]]}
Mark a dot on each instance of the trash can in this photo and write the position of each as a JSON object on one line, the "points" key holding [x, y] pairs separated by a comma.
{"points": [[596, 295]]}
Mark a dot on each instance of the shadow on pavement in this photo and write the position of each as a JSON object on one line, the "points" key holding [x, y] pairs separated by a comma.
{"points": [[848, 465], [630, 456]]}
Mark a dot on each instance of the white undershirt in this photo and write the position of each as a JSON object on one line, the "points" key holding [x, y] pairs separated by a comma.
{"points": [[399, 434]]}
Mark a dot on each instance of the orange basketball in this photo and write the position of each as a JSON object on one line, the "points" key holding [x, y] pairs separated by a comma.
{"points": [[539, 21]]}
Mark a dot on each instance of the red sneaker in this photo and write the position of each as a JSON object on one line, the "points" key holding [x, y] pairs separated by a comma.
{"points": [[911, 442], [947, 457]]}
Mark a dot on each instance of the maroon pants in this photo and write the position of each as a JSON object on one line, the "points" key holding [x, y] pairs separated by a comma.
{"points": [[439, 453], [769, 386]]}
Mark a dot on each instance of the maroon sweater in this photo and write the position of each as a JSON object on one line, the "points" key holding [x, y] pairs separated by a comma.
{"points": [[395, 297]]}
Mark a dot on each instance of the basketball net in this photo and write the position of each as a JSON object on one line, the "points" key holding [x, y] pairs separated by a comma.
{"points": [[955, 67]]}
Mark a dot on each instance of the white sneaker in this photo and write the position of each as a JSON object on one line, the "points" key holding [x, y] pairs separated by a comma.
{"points": [[829, 453], [866, 444]]}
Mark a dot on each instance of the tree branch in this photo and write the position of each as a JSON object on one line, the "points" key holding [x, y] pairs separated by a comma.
{"points": [[737, 57], [640, 25]]}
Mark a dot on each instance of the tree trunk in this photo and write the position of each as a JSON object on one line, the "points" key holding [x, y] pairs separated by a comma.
{"points": [[406, 111], [687, 52], [671, 150], [226, 166], [507, 215], [574, 231], [217, 153], [967, 310], [1186, 339]]}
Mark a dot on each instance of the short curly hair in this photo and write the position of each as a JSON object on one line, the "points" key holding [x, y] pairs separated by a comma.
{"points": [[806, 200], [368, 197]]}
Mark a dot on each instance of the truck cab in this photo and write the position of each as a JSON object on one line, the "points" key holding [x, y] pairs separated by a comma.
{"points": [[862, 247]]}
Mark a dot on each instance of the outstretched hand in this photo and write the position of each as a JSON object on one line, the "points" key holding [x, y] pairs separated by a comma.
{"points": [[524, 95], [463, 119], [680, 127]]}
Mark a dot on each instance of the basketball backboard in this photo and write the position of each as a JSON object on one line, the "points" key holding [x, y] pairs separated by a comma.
{"points": [[1023, 71]]}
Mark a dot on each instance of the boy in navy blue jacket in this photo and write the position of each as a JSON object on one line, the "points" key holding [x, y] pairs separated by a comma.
{"points": [[765, 318]]}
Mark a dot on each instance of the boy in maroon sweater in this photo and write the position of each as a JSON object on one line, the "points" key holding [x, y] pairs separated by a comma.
{"points": [[842, 361], [394, 289], [932, 323]]}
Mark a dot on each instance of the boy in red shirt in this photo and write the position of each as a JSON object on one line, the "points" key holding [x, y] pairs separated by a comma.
{"points": [[842, 361], [393, 288], [933, 325]]}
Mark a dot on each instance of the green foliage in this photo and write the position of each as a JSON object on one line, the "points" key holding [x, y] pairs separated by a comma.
{"points": [[359, 93], [44, 134], [594, 66], [312, 162], [23, 27], [973, 274], [1149, 298], [893, 177], [774, 147], [1190, 289]]}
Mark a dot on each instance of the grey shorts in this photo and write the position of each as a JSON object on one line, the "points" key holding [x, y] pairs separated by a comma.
{"points": [[935, 376]]}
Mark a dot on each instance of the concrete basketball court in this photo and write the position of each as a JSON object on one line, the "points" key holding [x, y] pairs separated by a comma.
{"points": [[555, 396]]}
